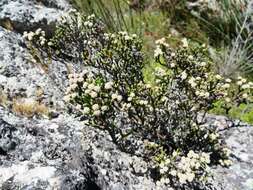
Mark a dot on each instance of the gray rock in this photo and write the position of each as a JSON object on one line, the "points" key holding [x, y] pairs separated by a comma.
{"points": [[25, 15], [63, 153], [20, 77], [240, 174]]}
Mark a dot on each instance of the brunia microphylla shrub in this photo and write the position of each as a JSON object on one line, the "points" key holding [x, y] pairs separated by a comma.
{"points": [[111, 94]]}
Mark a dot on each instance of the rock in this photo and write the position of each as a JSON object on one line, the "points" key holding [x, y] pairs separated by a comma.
{"points": [[62, 153], [20, 77], [26, 15], [7, 142], [240, 174]]}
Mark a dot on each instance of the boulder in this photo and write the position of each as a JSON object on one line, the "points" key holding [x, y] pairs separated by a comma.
{"points": [[26, 15], [63, 153]]}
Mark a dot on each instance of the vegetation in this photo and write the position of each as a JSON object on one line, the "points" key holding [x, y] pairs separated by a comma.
{"points": [[223, 25], [167, 111]]}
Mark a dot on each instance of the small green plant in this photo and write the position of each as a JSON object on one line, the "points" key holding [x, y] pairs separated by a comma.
{"points": [[111, 93]]}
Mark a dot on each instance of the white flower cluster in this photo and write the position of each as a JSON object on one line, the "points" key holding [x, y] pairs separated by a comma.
{"points": [[39, 34], [126, 36], [188, 165], [100, 95], [162, 41], [159, 43], [158, 52], [187, 168]]}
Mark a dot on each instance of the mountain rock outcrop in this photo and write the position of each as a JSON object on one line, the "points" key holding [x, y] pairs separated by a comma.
{"points": [[60, 152]]}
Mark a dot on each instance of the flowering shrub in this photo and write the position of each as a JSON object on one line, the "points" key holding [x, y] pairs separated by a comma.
{"points": [[170, 115]]}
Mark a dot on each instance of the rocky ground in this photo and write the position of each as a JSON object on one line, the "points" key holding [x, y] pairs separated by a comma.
{"points": [[60, 152]]}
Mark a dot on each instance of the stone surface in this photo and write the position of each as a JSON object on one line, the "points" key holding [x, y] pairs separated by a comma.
{"points": [[22, 15], [62, 153], [20, 77], [240, 174]]}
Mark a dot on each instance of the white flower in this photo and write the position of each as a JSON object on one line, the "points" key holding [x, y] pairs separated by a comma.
{"points": [[245, 86], [251, 84], [226, 151], [227, 100], [164, 169], [190, 177], [245, 96], [87, 91], [203, 64], [244, 80], [104, 108], [226, 86], [132, 94], [192, 82], [197, 165], [86, 110], [239, 78], [73, 95], [25, 34], [91, 86], [143, 102], [95, 107], [42, 42], [50, 44], [70, 76], [85, 84], [167, 161], [185, 42], [218, 77], [160, 72], [228, 80], [158, 52], [80, 79], [97, 113], [97, 88], [173, 172], [128, 38], [207, 94], [78, 107], [93, 94], [190, 57], [38, 31], [205, 157], [175, 153], [162, 41], [213, 136], [66, 98], [90, 24], [108, 85], [119, 98], [183, 75], [73, 86], [239, 83], [30, 36], [126, 105], [182, 178], [114, 96], [191, 154], [227, 162]]}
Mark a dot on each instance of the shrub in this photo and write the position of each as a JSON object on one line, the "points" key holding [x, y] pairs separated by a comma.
{"points": [[169, 115]]}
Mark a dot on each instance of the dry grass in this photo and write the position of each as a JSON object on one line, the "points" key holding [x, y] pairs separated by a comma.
{"points": [[3, 99], [29, 108]]}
